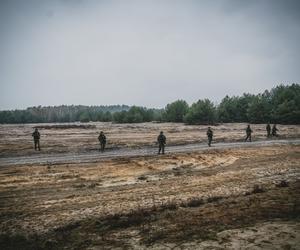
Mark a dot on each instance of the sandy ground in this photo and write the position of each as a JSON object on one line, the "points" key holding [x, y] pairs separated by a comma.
{"points": [[242, 198], [268, 235], [96, 156], [17, 139]]}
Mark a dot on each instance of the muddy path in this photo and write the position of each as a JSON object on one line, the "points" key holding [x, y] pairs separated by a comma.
{"points": [[95, 156]]}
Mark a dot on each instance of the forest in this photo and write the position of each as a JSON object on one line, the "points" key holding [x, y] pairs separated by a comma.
{"points": [[278, 105]]}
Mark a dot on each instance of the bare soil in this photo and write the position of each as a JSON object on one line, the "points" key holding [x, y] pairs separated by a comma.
{"points": [[16, 140], [239, 198]]}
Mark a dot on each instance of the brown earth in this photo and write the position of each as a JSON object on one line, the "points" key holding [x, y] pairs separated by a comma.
{"points": [[247, 198], [76, 137]]}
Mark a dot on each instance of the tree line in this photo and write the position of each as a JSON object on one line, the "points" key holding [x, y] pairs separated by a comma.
{"points": [[278, 105], [63, 113]]}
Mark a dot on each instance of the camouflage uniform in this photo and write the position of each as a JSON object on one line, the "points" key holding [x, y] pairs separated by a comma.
{"points": [[274, 130], [161, 139], [209, 136], [248, 133], [36, 138], [268, 128], [102, 140]]}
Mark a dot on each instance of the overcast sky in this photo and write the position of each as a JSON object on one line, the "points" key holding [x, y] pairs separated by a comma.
{"points": [[148, 53]]}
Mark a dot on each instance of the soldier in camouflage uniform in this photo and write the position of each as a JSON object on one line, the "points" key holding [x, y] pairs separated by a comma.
{"points": [[268, 128], [161, 139], [248, 133], [209, 136], [36, 138], [102, 140], [274, 130]]}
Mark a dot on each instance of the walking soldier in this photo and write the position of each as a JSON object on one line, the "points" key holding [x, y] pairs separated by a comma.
{"points": [[248, 133], [209, 136], [161, 139], [102, 140], [268, 128], [274, 130], [36, 138]]}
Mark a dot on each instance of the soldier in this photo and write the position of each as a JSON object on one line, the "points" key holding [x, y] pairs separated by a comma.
{"points": [[274, 130], [102, 140], [268, 128], [161, 139], [209, 136], [248, 133], [36, 138]]}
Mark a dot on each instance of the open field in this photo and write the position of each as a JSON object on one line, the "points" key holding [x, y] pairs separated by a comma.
{"points": [[17, 140], [221, 198]]}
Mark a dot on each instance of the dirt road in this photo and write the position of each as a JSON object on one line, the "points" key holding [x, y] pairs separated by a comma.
{"points": [[94, 156], [72, 138]]}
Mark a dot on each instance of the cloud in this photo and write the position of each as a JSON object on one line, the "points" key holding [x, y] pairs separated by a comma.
{"points": [[144, 52]]}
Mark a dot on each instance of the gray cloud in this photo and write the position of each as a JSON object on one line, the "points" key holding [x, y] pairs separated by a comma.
{"points": [[144, 52]]}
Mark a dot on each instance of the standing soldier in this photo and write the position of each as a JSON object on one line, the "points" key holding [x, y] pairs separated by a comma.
{"points": [[209, 136], [248, 133], [268, 128], [36, 138], [274, 130], [161, 139], [102, 140]]}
